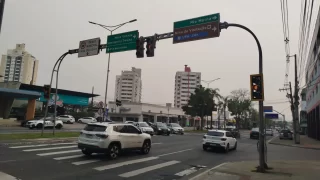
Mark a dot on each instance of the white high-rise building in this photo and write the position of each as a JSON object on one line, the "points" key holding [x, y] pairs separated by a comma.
{"points": [[19, 66], [129, 85], [185, 84]]}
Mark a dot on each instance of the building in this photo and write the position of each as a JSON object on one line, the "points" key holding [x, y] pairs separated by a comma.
{"points": [[303, 112], [19, 66], [138, 112], [312, 79], [128, 86], [185, 84]]}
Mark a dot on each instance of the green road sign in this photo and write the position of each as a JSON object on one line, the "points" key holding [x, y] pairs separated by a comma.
{"points": [[122, 42], [196, 28]]}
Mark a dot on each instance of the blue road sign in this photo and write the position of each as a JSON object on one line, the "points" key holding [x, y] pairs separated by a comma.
{"points": [[272, 116]]}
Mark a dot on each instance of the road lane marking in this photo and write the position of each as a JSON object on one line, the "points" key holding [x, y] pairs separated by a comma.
{"points": [[147, 169], [40, 145], [85, 162], [59, 152], [207, 171], [111, 166], [187, 172], [4, 176], [272, 139], [174, 152], [45, 149], [68, 157], [7, 161]]}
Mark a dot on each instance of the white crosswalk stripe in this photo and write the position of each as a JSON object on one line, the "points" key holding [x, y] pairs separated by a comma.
{"points": [[4, 176], [45, 149], [69, 151], [147, 169]]}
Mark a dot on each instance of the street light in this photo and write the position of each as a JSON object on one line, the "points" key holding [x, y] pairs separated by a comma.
{"points": [[209, 82], [110, 29], [284, 118]]}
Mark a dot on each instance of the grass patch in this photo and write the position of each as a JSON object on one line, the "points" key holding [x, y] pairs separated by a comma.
{"points": [[37, 135]]}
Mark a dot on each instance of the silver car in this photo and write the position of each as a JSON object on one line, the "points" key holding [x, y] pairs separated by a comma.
{"points": [[286, 134]]}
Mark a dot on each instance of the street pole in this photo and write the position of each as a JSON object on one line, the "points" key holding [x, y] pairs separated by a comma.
{"points": [[2, 3], [296, 103], [209, 82], [262, 161], [292, 111], [284, 119], [109, 56]]}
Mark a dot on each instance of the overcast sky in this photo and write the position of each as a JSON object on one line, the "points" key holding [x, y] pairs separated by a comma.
{"points": [[49, 28]]}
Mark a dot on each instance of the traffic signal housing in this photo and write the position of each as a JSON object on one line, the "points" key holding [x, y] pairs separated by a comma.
{"points": [[256, 87], [118, 102], [140, 47], [47, 91], [151, 45]]}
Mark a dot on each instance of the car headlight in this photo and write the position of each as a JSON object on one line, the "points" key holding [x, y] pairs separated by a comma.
{"points": [[159, 129]]}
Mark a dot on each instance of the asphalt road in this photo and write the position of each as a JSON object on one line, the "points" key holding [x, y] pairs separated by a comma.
{"points": [[173, 157]]}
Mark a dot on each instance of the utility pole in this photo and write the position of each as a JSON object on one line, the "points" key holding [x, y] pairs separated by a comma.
{"points": [[296, 103], [2, 3]]}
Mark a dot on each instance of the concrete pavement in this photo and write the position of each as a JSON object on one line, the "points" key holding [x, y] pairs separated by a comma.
{"points": [[305, 142], [171, 157]]}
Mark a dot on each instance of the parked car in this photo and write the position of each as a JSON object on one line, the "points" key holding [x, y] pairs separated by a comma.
{"points": [[254, 133], [160, 128], [269, 132], [175, 128], [112, 138], [235, 132], [221, 139], [67, 119], [47, 124], [286, 134], [87, 120], [144, 127], [129, 122]]}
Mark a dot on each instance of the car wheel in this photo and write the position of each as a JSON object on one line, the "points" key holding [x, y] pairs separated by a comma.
{"points": [[235, 146], [79, 121], [204, 147], [226, 150], [39, 126], [86, 152], [151, 134], [182, 133], [31, 127], [58, 126], [146, 147], [68, 122], [114, 151]]}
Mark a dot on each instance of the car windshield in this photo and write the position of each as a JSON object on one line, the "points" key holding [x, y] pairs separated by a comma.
{"points": [[175, 125], [94, 127], [161, 125], [215, 133], [143, 124]]}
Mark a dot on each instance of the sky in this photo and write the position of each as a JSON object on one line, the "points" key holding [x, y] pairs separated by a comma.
{"points": [[50, 28]]}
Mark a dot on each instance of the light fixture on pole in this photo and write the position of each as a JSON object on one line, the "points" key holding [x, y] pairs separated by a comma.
{"points": [[209, 82], [110, 29]]}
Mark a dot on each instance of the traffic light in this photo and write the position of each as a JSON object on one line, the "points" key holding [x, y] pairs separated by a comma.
{"points": [[118, 102], [256, 83], [140, 47], [151, 45], [47, 91]]}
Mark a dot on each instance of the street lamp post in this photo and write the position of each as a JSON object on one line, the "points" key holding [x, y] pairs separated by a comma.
{"points": [[284, 118], [211, 81], [110, 29]]}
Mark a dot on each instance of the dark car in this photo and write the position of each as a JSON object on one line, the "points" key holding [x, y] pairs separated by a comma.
{"points": [[235, 132], [286, 134], [160, 128], [254, 134]]}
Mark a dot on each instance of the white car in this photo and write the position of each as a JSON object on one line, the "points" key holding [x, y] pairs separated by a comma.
{"points": [[219, 139], [175, 128], [87, 120], [144, 127], [66, 119], [111, 138], [129, 122], [269, 132], [48, 123]]}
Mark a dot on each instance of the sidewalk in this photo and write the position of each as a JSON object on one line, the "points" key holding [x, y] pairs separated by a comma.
{"points": [[282, 170], [305, 142], [9, 123]]}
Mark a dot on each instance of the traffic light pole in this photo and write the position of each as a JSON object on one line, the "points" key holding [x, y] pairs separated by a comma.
{"points": [[262, 161]]}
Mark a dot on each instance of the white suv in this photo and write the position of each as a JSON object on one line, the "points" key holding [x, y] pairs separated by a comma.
{"points": [[66, 119], [111, 138], [47, 123], [219, 139]]}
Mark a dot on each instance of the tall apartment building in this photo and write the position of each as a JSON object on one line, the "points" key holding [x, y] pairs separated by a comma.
{"points": [[185, 84], [19, 66], [129, 85], [312, 79]]}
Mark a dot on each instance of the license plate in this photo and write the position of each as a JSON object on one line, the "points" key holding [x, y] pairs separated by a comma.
{"points": [[211, 144], [88, 135]]}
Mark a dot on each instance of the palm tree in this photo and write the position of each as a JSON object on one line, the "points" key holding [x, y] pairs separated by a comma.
{"points": [[225, 104], [214, 96], [219, 108]]}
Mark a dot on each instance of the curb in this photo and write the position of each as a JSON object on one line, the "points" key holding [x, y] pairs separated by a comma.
{"points": [[205, 172], [296, 146]]}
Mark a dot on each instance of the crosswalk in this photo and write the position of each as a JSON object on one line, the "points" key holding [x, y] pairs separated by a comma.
{"points": [[69, 153]]}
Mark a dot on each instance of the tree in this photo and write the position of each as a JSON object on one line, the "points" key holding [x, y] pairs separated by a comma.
{"points": [[219, 108], [225, 104], [201, 103], [239, 104]]}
